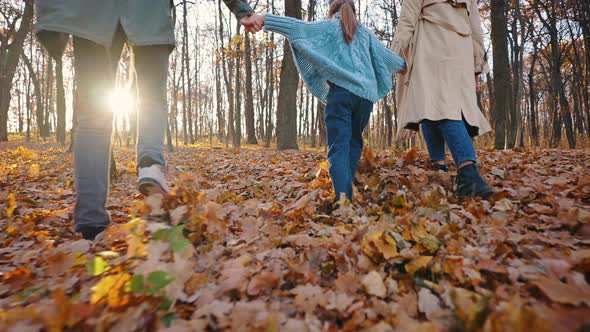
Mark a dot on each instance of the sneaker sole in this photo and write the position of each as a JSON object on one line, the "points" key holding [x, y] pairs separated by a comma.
{"points": [[149, 187]]}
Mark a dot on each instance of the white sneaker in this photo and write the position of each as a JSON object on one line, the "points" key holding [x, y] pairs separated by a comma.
{"points": [[151, 180]]}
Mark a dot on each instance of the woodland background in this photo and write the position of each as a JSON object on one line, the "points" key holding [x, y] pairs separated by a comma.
{"points": [[248, 238], [234, 88]]}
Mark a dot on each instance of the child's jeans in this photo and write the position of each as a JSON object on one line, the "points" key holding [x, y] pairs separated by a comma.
{"points": [[347, 115], [94, 65], [454, 133]]}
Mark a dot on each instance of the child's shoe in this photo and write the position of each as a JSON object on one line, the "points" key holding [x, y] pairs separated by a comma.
{"points": [[471, 184]]}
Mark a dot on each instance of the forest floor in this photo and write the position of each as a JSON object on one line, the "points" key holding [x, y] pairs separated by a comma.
{"points": [[246, 242]]}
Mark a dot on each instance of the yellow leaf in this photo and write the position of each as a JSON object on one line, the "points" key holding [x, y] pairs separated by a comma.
{"points": [[11, 205], [387, 246], [112, 288], [418, 264], [379, 244], [80, 260], [34, 170], [10, 230]]}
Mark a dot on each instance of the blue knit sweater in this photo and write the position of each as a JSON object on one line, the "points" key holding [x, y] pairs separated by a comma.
{"points": [[364, 67]]}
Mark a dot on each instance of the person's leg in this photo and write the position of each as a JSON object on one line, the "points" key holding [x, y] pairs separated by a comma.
{"points": [[360, 120], [151, 63], [339, 132], [92, 141], [459, 142], [470, 183], [435, 143]]}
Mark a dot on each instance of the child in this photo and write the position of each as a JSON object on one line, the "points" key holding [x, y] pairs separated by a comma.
{"points": [[347, 68]]}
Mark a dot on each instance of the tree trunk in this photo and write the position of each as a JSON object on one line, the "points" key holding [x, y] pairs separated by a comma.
{"points": [[61, 103], [8, 64], [39, 114], [502, 84], [287, 104], [270, 72], [533, 99], [250, 126], [237, 137]]}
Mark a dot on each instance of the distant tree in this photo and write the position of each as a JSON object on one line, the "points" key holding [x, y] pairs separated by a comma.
{"points": [[11, 47], [287, 104]]}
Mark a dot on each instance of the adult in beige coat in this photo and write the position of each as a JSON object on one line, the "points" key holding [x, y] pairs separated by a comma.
{"points": [[442, 42]]}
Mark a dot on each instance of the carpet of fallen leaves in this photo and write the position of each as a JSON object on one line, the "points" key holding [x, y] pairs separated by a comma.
{"points": [[248, 241]]}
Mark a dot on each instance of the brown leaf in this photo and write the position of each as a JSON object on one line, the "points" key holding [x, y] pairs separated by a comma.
{"points": [[566, 293], [262, 283]]}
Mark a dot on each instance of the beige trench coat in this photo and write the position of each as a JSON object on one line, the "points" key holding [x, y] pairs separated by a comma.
{"points": [[442, 42]]}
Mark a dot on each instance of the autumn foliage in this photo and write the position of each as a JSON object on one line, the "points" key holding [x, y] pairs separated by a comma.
{"points": [[249, 241]]}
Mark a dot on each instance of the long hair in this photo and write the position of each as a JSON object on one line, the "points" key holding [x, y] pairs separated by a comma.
{"points": [[347, 17]]}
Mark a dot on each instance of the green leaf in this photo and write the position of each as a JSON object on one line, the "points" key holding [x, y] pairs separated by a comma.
{"points": [[159, 279], [166, 303], [162, 234], [177, 231], [29, 291], [430, 243], [97, 266], [179, 244], [137, 285], [168, 319]]}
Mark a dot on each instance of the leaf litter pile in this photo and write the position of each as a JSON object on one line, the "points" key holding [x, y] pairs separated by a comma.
{"points": [[248, 240]]}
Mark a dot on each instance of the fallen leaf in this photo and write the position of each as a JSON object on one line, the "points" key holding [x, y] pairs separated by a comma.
{"points": [[262, 283], [417, 264], [563, 292], [428, 303], [374, 284]]}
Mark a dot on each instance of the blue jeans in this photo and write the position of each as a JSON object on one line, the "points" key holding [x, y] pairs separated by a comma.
{"points": [[347, 115], [454, 134], [95, 78]]}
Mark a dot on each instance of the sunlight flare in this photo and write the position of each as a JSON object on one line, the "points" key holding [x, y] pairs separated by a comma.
{"points": [[120, 101]]}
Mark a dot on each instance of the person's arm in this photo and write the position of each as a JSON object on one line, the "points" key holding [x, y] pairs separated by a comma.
{"points": [[393, 62], [292, 28], [409, 16], [239, 8], [477, 37]]}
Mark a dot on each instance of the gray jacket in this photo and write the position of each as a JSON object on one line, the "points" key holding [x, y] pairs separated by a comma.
{"points": [[145, 22]]}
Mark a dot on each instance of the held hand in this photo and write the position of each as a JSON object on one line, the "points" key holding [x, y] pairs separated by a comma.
{"points": [[253, 23]]}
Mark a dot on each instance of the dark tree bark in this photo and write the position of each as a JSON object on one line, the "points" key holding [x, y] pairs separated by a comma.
{"points": [[250, 126], [10, 53], [39, 106], [502, 80], [533, 99], [287, 104], [549, 20], [237, 137], [60, 129]]}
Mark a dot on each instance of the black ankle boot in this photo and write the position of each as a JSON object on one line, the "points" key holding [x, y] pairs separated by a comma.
{"points": [[471, 184], [439, 167]]}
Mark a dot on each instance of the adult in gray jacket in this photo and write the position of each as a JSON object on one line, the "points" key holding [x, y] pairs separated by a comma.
{"points": [[99, 30]]}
